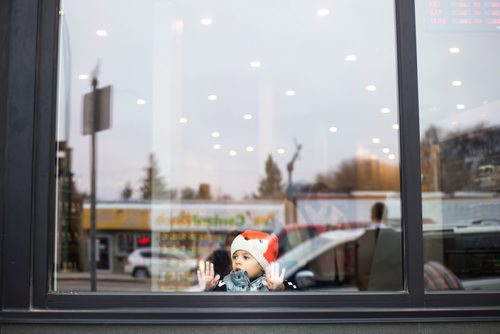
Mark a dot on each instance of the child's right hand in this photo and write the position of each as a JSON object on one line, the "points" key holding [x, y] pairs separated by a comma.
{"points": [[207, 279]]}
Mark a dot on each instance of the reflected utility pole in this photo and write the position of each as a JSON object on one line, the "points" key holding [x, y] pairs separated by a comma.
{"points": [[96, 117], [289, 168], [289, 190]]}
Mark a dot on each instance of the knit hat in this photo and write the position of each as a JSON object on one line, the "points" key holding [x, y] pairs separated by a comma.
{"points": [[262, 246]]}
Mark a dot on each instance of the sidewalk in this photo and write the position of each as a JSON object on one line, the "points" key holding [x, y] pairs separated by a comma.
{"points": [[101, 276]]}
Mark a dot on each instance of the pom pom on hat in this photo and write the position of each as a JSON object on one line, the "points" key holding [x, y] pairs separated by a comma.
{"points": [[262, 246]]}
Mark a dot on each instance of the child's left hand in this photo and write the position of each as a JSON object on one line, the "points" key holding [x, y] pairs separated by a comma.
{"points": [[274, 280]]}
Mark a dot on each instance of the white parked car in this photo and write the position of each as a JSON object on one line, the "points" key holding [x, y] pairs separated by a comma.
{"points": [[147, 262]]}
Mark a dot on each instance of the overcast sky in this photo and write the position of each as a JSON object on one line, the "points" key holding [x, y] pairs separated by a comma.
{"points": [[260, 74]]}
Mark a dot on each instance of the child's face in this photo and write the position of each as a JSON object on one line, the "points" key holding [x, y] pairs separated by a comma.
{"points": [[242, 260]]}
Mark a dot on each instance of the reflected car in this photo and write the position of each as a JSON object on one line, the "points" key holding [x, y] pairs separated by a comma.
{"points": [[293, 235], [149, 262], [314, 263]]}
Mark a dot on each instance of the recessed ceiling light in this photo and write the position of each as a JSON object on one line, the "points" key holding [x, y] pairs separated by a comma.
{"points": [[385, 110], [215, 134], [255, 64], [247, 116], [83, 76], [395, 126], [333, 129], [183, 120], [290, 93], [212, 97], [376, 140], [371, 88], [232, 153], [456, 83], [392, 156], [386, 150], [323, 12], [454, 123], [249, 149], [217, 146], [460, 106], [351, 58], [454, 50], [280, 151], [141, 101], [101, 33], [206, 21]]}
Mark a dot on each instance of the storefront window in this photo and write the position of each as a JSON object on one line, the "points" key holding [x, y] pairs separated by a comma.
{"points": [[458, 46], [218, 117]]}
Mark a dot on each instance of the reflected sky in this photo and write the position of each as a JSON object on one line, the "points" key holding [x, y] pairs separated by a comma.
{"points": [[260, 74]]}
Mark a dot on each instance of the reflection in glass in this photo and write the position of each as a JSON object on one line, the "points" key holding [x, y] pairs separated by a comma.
{"points": [[458, 46], [272, 116]]}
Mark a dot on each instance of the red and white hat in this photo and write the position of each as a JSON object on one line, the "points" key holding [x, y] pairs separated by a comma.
{"points": [[262, 246]]}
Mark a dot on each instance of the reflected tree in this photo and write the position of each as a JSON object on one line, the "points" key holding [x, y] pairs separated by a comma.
{"points": [[153, 183], [361, 174], [430, 151], [271, 186], [188, 193], [127, 191]]}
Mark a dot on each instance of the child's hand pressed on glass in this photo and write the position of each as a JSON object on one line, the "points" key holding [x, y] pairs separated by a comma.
{"points": [[207, 279], [274, 279]]}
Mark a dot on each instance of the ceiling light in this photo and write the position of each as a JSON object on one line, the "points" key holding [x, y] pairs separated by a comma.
{"points": [[371, 88], [247, 116], [395, 126], [255, 64], [101, 33], [460, 106], [392, 156], [376, 140], [183, 120], [386, 150], [290, 93], [351, 58], [215, 134], [249, 149], [217, 147], [232, 153], [385, 110], [206, 21], [83, 76], [141, 101], [323, 12], [454, 50], [456, 83], [280, 151], [212, 97], [333, 129]]}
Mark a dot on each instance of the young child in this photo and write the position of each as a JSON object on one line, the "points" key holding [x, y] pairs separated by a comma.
{"points": [[253, 268]]}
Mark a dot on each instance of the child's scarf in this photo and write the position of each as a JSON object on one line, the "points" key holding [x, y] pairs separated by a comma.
{"points": [[238, 281]]}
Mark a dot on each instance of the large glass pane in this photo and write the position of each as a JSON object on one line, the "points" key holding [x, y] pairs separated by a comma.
{"points": [[458, 50], [273, 116]]}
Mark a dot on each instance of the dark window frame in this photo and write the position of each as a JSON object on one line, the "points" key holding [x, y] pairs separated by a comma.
{"points": [[28, 206]]}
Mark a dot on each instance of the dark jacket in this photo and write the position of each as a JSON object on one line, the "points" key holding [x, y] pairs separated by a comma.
{"points": [[239, 282]]}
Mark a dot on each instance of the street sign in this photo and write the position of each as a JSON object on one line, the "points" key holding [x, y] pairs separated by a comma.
{"points": [[103, 113]]}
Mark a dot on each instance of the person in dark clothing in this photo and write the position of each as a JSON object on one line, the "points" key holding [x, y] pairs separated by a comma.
{"points": [[253, 268], [221, 258]]}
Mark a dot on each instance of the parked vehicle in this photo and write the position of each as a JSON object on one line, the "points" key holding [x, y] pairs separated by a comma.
{"points": [[293, 235], [148, 262]]}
